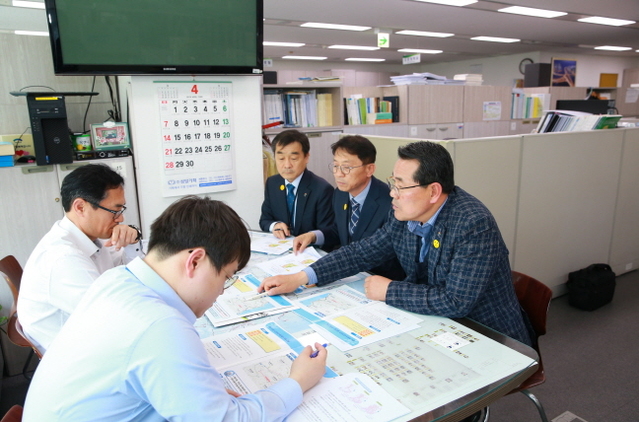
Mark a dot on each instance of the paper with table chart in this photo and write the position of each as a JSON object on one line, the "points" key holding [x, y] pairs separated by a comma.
{"points": [[267, 243], [256, 358], [348, 319], [290, 264], [425, 370]]}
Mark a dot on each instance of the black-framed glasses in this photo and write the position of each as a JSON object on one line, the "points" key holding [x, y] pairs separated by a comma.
{"points": [[393, 187], [230, 281], [116, 214], [343, 169]]}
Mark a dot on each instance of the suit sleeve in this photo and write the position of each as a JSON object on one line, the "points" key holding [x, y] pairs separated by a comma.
{"points": [[331, 235], [461, 275], [267, 217], [325, 214]]}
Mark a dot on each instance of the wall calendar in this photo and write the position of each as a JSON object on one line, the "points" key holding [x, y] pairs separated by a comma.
{"points": [[198, 151]]}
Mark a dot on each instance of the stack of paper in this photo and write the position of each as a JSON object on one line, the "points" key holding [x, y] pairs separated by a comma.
{"points": [[470, 78]]}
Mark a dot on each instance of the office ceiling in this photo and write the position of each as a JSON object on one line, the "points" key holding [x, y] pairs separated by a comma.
{"points": [[563, 35]]}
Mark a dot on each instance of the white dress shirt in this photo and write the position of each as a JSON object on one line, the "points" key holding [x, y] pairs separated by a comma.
{"points": [[59, 271], [130, 352]]}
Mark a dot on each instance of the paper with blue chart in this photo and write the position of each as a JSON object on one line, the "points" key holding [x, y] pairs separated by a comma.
{"points": [[267, 243]]}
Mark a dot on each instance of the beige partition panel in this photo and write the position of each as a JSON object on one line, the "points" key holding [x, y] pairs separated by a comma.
{"points": [[567, 195], [624, 249], [488, 168]]}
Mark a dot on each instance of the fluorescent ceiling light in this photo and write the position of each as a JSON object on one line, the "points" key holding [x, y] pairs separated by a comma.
{"points": [[36, 33], [530, 11], [282, 44], [606, 21], [304, 57], [613, 48], [30, 4], [353, 47], [416, 50], [424, 33], [495, 39], [355, 59], [335, 26], [450, 2]]}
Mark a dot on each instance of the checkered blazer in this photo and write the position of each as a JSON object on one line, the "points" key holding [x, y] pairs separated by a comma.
{"points": [[466, 272]]}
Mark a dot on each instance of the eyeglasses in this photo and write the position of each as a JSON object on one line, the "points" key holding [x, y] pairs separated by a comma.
{"points": [[343, 169], [116, 214], [393, 187], [230, 281]]}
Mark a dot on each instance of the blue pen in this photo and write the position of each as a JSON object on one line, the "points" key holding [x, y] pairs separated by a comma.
{"points": [[315, 353]]}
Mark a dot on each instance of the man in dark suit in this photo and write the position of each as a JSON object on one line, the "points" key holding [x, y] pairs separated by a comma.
{"points": [[361, 202], [447, 242], [295, 200]]}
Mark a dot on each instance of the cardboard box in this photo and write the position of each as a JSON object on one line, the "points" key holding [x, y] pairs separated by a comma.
{"points": [[24, 144]]}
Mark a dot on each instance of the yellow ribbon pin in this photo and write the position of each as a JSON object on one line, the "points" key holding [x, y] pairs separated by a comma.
{"points": [[282, 187], [436, 244], [345, 207]]}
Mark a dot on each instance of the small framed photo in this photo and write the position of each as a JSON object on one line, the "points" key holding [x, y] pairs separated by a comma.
{"points": [[109, 135], [564, 72]]}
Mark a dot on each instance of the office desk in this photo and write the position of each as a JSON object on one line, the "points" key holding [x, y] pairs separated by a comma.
{"points": [[436, 384]]}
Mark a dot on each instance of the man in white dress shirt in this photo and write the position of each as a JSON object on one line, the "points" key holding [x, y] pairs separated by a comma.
{"points": [[70, 256]]}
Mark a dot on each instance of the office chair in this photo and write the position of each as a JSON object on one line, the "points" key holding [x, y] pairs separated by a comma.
{"points": [[534, 297], [13, 415], [12, 271]]}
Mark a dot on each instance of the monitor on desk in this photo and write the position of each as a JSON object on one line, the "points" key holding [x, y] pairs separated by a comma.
{"points": [[589, 106]]}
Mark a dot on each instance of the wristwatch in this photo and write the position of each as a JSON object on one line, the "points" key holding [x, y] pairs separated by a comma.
{"points": [[137, 229]]}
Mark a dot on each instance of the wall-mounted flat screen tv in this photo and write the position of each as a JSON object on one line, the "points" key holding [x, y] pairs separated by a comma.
{"points": [[149, 37]]}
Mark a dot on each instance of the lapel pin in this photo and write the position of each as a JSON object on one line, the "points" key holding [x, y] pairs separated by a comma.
{"points": [[282, 187], [436, 244], [345, 207]]}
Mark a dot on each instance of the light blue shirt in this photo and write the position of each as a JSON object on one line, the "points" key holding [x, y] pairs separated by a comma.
{"points": [[130, 352], [319, 235]]}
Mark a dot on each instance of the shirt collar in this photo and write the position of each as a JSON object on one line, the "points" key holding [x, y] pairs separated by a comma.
{"points": [[153, 281], [295, 182], [81, 240], [362, 195], [431, 221]]}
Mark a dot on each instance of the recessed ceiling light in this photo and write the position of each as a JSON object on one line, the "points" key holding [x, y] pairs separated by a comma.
{"points": [[612, 48], [36, 33], [304, 58], [530, 11], [450, 2], [353, 47], [606, 21], [30, 4], [356, 59], [424, 33], [282, 44], [495, 39], [417, 50], [335, 26]]}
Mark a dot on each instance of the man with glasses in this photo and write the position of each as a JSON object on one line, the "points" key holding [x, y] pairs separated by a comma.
{"points": [[447, 242], [71, 255], [295, 200], [361, 202], [129, 352]]}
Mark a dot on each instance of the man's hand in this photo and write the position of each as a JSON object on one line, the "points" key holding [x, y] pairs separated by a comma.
{"points": [[281, 231], [302, 241], [307, 371], [376, 286], [122, 235], [281, 284], [233, 393]]}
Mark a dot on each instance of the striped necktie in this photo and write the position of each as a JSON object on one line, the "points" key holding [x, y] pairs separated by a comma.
{"points": [[354, 216]]}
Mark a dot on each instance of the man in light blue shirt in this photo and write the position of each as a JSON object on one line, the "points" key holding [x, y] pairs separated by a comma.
{"points": [[130, 352]]}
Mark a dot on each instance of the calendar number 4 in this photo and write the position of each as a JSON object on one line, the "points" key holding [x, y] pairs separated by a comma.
{"points": [[194, 89]]}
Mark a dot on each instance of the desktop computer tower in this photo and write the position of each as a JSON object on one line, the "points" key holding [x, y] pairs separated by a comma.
{"points": [[51, 138]]}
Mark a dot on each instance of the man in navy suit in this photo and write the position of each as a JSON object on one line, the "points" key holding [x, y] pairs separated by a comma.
{"points": [[447, 242], [361, 202], [295, 200]]}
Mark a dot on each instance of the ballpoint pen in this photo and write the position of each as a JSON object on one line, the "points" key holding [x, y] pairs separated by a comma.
{"points": [[258, 296], [315, 353]]}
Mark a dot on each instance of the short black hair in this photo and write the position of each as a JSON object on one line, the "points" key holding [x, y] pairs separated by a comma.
{"points": [[90, 182], [357, 145], [435, 163], [200, 222], [288, 137]]}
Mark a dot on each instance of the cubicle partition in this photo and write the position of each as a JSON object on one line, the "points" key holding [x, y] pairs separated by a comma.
{"points": [[562, 200]]}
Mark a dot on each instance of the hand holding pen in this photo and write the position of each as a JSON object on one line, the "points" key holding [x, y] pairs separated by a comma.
{"points": [[281, 231]]}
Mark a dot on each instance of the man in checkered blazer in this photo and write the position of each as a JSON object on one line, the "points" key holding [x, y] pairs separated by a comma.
{"points": [[447, 242]]}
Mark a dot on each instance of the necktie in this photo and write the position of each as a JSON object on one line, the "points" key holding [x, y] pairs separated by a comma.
{"points": [[354, 216], [423, 231], [290, 199]]}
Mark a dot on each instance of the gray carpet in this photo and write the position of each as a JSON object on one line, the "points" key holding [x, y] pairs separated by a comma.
{"points": [[591, 361]]}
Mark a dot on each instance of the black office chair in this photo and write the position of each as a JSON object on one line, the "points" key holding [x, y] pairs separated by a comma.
{"points": [[13, 415]]}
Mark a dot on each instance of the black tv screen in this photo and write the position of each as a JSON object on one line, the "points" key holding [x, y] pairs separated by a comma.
{"points": [[589, 106], [147, 37]]}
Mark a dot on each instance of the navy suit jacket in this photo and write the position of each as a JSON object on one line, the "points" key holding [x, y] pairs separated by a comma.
{"points": [[466, 272], [373, 216], [313, 210]]}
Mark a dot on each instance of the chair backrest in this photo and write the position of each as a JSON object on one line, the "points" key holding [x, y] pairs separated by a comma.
{"points": [[534, 296], [10, 266], [13, 415]]}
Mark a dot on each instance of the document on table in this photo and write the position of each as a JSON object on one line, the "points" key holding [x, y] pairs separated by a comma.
{"points": [[290, 264], [234, 306], [269, 244], [349, 398], [348, 319]]}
